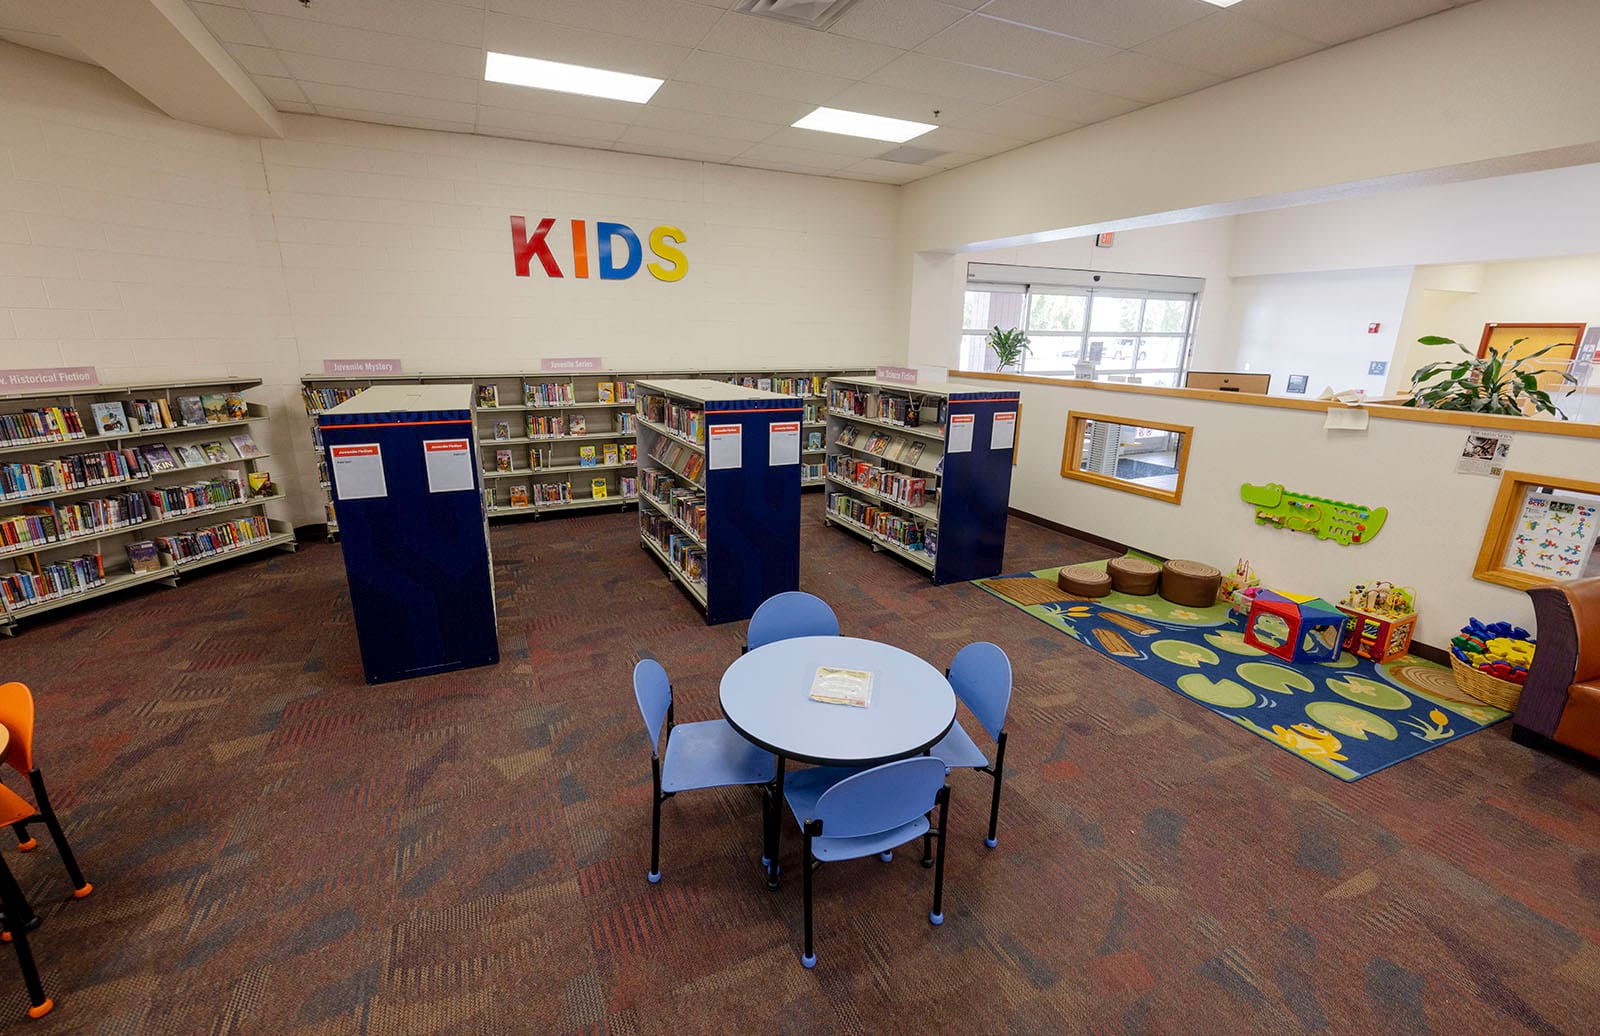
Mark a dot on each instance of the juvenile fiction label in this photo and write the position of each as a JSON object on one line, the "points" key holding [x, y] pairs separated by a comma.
{"points": [[726, 446], [449, 463], [961, 433], [358, 471], [1004, 433], [783, 443]]}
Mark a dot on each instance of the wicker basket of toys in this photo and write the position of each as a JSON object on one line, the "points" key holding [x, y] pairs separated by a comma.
{"points": [[1491, 662]]}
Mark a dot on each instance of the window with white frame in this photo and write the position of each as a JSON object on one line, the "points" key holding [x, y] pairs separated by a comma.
{"points": [[1112, 327]]}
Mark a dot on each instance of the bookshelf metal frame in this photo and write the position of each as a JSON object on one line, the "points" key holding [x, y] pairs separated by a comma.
{"points": [[967, 492], [121, 577]]}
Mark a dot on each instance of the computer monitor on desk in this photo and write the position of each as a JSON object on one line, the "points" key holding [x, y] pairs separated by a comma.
{"points": [[1228, 381]]}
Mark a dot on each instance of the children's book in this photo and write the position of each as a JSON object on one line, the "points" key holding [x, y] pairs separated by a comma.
{"points": [[488, 395], [598, 488], [502, 460], [158, 458], [606, 392], [191, 410], [813, 440], [215, 407], [190, 455], [233, 406], [245, 445], [260, 483], [914, 453], [109, 418], [519, 496], [586, 456], [630, 453], [143, 556], [502, 429], [610, 453], [215, 453], [577, 425]]}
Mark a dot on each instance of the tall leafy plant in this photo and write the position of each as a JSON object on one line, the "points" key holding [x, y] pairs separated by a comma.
{"points": [[1490, 384], [1008, 346]]}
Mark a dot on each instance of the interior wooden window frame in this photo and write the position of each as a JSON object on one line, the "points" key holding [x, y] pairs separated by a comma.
{"points": [[1072, 455], [1490, 566]]}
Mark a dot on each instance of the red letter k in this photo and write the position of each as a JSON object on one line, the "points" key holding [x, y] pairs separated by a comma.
{"points": [[523, 248]]}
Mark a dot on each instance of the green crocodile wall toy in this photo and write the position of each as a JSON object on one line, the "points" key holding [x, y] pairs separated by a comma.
{"points": [[1327, 519]]}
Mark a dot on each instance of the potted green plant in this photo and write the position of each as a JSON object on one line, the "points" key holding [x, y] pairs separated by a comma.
{"points": [[1488, 384], [1008, 346]]}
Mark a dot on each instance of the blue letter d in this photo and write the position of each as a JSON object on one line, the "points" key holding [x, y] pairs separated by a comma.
{"points": [[608, 270]]}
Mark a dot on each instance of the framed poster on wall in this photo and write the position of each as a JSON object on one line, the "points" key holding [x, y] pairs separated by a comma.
{"points": [[1543, 529]]}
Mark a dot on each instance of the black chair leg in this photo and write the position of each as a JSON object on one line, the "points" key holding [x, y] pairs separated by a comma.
{"points": [[999, 778], [655, 821], [18, 919], [80, 887], [927, 843], [809, 958], [41, 1005], [25, 842], [937, 916]]}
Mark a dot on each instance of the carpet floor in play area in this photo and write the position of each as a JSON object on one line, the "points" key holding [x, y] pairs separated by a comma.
{"points": [[278, 848], [1351, 717]]}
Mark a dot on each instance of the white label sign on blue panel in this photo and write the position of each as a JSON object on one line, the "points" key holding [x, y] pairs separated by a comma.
{"points": [[725, 443], [1004, 433], [960, 433], [783, 443], [357, 471], [449, 463]]}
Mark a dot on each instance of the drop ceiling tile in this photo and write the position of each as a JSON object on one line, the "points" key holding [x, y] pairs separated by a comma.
{"points": [[758, 77], [720, 147], [230, 24], [547, 124], [535, 38], [975, 142], [682, 154], [770, 155], [47, 42], [711, 100], [393, 119], [877, 99], [888, 172], [1007, 120], [953, 160], [349, 98], [897, 23], [664, 21], [833, 143], [1073, 103], [1141, 77], [310, 68], [1006, 47], [376, 48], [790, 46], [294, 107], [279, 91], [1122, 23], [258, 61], [700, 124], [1337, 22], [931, 75], [1228, 45], [554, 102], [420, 19]]}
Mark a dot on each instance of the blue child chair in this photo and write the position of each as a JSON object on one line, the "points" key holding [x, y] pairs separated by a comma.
{"points": [[847, 814], [698, 755], [791, 614], [980, 674]]}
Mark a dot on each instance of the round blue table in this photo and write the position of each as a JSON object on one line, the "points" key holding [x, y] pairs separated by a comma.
{"points": [[766, 697]]}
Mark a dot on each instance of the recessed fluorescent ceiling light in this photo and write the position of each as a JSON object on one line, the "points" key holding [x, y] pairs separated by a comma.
{"points": [[859, 124], [569, 79], [1222, 3]]}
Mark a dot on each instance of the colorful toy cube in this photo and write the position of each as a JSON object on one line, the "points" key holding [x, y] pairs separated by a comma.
{"points": [[1380, 637], [1295, 627]]}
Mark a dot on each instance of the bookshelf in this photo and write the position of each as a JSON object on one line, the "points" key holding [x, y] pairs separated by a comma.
{"points": [[562, 455], [169, 469], [922, 471], [719, 481]]}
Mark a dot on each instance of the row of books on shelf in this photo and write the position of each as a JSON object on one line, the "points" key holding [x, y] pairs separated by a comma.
{"points": [[35, 581], [688, 463], [689, 422], [889, 447], [320, 399], [86, 470], [44, 524], [63, 424], [562, 492], [905, 489], [589, 456], [686, 503], [784, 386], [558, 393], [810, 472], [40, 425], [908, 532], [539, 426], [212, 540], [688, 556], [815, 413], [911, 411]]}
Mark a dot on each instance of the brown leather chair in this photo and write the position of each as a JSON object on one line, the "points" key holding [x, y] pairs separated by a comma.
{"points": [[1561, 700]]}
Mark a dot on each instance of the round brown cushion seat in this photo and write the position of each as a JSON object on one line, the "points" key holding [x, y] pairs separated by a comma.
{"points": [[1134, 576], [1192, 584], [1083, 581]]}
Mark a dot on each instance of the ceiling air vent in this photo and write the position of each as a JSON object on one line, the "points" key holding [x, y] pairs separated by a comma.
{"points": [[812, 14]]}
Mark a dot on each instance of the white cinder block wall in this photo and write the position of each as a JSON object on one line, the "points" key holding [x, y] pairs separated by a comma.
{"points": [[155, 250]]}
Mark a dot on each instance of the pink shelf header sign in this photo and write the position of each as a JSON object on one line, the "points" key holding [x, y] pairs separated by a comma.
{"points": [[570, 363], [898, 375], [362, 367], [32, 379]]}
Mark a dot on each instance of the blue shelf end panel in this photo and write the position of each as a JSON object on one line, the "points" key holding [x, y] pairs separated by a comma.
{"points": [[975, 490], [753, 510], [415, 538]]}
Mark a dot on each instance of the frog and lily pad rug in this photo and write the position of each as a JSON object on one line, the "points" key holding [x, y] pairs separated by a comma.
{"points": [[1351, 717]]}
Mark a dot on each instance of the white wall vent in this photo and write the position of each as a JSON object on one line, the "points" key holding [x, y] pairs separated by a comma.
{"points": [[812, 14]]}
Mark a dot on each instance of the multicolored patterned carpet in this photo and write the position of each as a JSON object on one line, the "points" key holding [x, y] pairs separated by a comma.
{"points": [[278, 848], [1349, 716]]}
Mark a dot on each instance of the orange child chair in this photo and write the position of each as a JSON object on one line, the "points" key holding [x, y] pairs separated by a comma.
{"points": [[16, 715], [16, 916]]}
